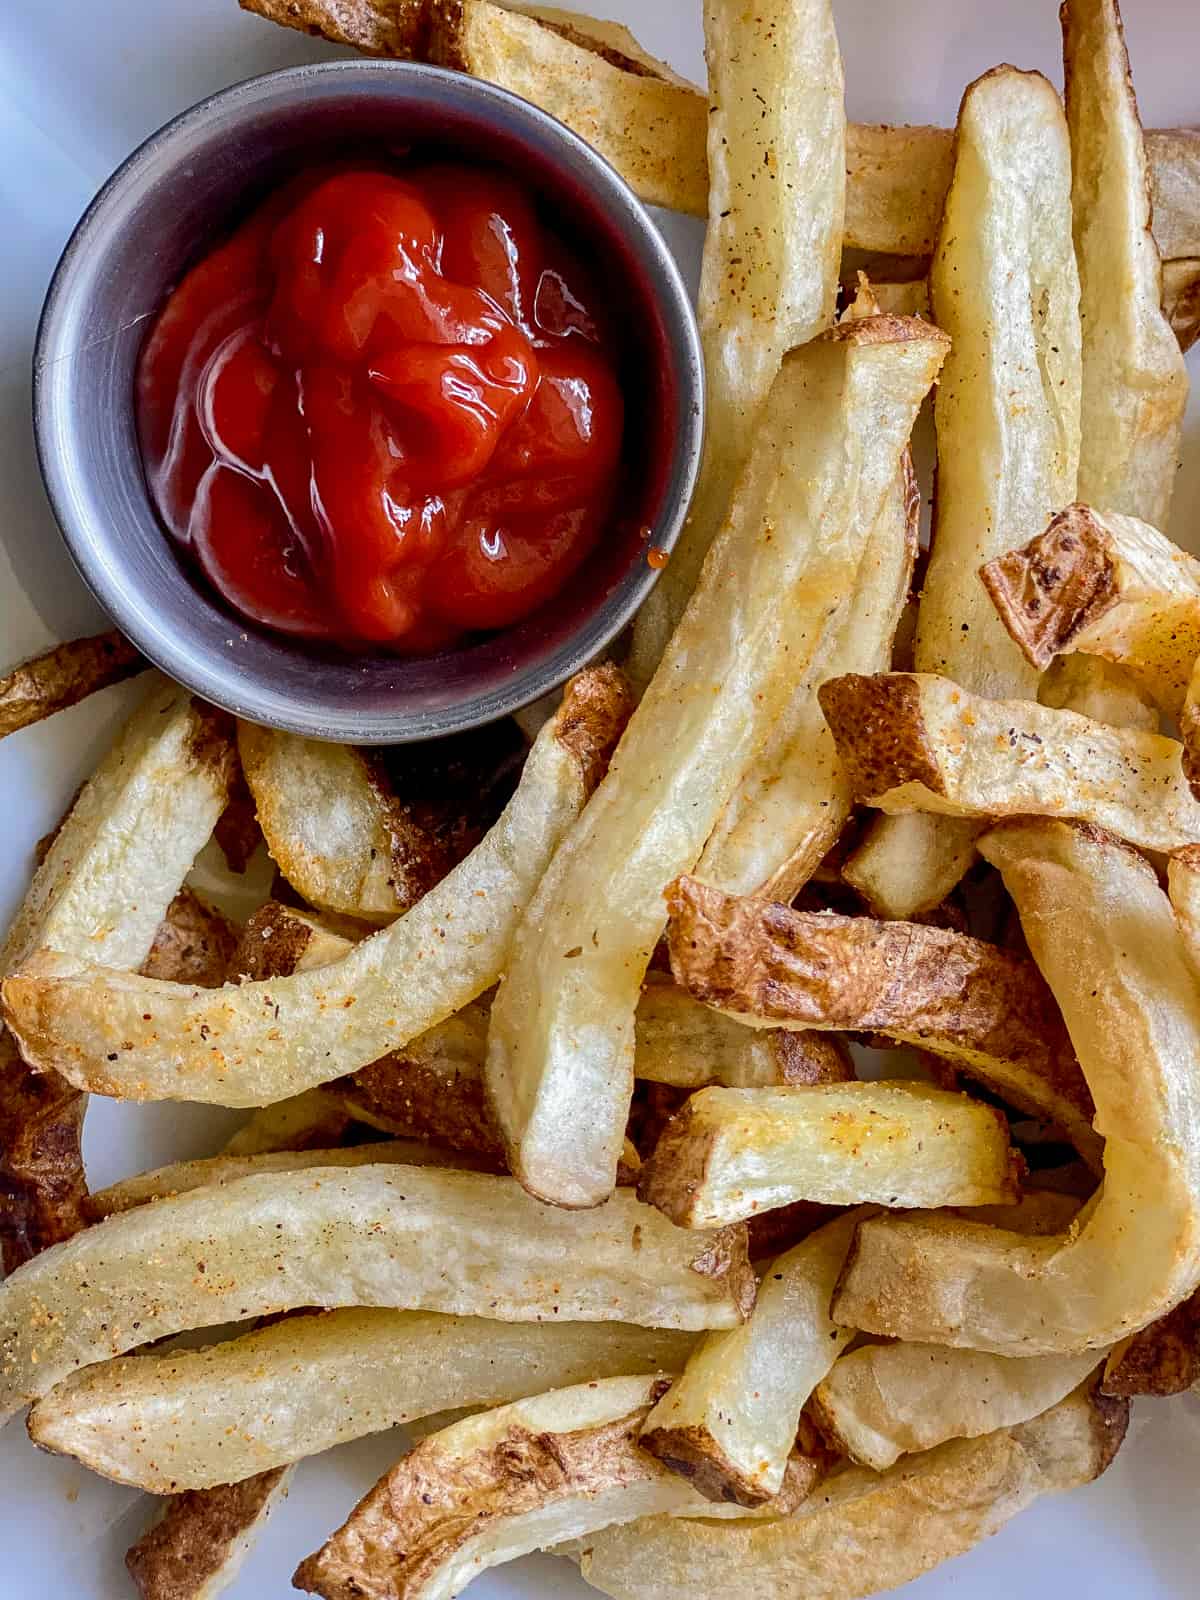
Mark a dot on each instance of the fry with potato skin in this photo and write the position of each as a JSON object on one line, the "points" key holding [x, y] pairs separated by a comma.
{"points": [[1135, 385], [865, 1531], [883, 1401], [728, 1423], [187, 1419], [1163, 1359], [371, 1235], [1102, 931], [561, 1045], [985, 1010], [63, 676], [1109, 585], [732, 1152], [196, 1547], [916, 742], [266, 1040], [497, 1486], [195, 943]]}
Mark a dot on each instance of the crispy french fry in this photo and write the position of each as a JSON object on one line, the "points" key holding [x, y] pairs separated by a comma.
{"points": [[1135, 385], [985, 1010], [729, 1423], [883, 1401], [561, 1045], [864, 1531], [195, 1548], [1095, 688], [907, 865], [732, 1152], [776, 129], [42, 1181], [500, 1485], [1102, 931], [916, 742], [1109, 585], [267, 1040], [371, 1235], [367, 838], [191, 1418], [64, 676], [593, 76]]}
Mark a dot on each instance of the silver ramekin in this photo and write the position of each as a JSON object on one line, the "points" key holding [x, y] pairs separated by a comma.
{"points": [[157, 213]]}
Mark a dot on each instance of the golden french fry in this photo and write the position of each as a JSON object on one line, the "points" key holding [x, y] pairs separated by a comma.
{"points": [[864, 1531], [242, 1046], [371, 1235], [732, 1152], [1102, 931], [191, 1418], [985, 1010], [1109, 585], [883, 1401], [499, 1485], [776, 132], [561, 1046], [916, 742], [63, 676], [728, 1423], [1135, 385]]}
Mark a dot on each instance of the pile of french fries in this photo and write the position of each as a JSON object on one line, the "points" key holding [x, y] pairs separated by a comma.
{"points": [[556, 1151]]}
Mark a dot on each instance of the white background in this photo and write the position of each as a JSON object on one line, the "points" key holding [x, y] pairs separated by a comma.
{"points": [[81, 84]]}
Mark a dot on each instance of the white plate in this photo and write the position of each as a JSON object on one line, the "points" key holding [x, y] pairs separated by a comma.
{"points": [[80, 85]]}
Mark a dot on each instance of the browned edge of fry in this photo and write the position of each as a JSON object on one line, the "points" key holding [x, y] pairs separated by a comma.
{"points": [[596, 706], [42, 1184], [237, 832], [1054, 586], [399, 28], [1163, 1359], [878, 724], [195, 943], [64, 676], [186, 1548]]}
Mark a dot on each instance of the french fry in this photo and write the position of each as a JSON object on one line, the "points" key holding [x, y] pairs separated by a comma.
{"points": [[883, 1401], [42, 1180], [1109, 585], [728, 1424], [1135, 385], [916, 742], [1004, 286], [195, 1548], [561, 1045], [371, 1235], [865, 1531], [1102, 931], [593, 76], [772, 248], [500, 1485], [313, 1120], [365, 838], [1181, 299], [983, 1009], [1163, 1359], [1183, 887], [64, 676], [1095, 688], [192, 1418], [194, 943], [135, 1038], [732, 1152]]}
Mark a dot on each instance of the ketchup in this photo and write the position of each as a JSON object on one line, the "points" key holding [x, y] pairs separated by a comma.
{"points": [[385, 412]]}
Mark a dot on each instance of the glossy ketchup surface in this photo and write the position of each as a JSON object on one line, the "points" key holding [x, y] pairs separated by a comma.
{"points": [[385, 412]]}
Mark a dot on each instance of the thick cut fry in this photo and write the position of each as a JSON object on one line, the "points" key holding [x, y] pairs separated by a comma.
{"points": [[497, 1486], [195, 1549], [792, 804], [1163, 1359], [194, 944], [592, 75], [907, 865], [365, 836], [916, 742], [1107, 584], [1135, 384], [1102, 931], [983, 1009], [63, 677], [865, 1531], [561, 1045], [1095, 688], [181, 1177], [732, 1152], [728, 1424], [279, 940], [776, 129], [196, 1417], [139, 1039], [418, 1238], [883, 1401]]}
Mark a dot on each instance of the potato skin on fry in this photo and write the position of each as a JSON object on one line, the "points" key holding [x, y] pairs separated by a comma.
{"points": [[63, 677], [194, 1549]]}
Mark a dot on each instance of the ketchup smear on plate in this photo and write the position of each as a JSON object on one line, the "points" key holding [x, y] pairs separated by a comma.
{"points": [[385, 412]]}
